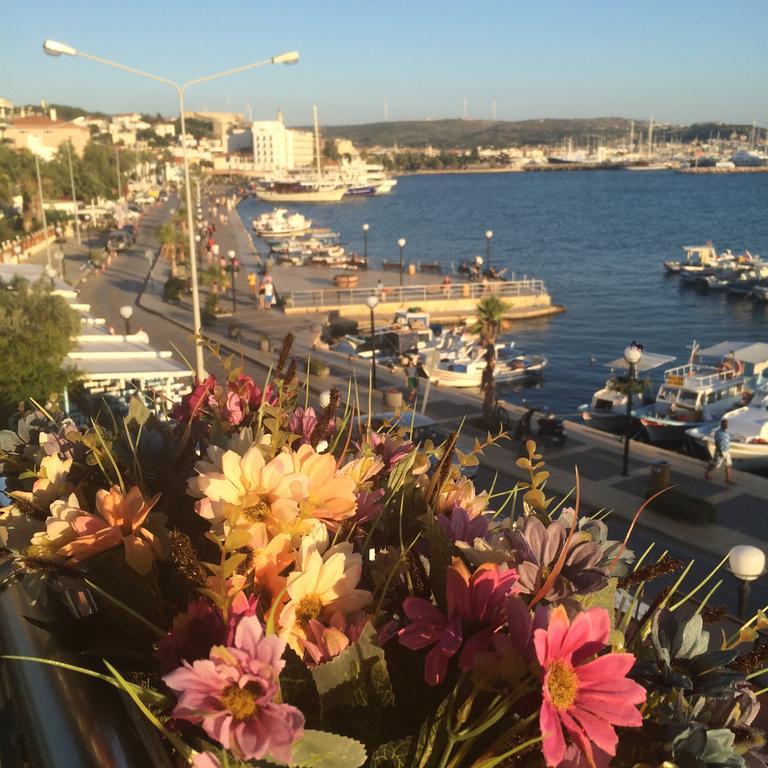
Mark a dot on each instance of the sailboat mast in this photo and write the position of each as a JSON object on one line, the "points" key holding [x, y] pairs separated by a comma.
{"points": [[317, 142]]}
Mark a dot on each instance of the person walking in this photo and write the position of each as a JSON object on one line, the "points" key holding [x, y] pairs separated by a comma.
{"points": [[722, 454], [447, 286], [269, 291], [412, 379], [252, 285]]}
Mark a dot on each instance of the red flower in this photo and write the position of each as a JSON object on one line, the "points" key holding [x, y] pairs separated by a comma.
{"points": [[587, 698], [475, 607]]}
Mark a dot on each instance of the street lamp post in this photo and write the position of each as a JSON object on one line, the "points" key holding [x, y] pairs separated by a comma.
{"points": [[401, 243], [366, 227], [54, 48], [197, 255], [633, 354], [59, 256], [746, 563], [74, 197], [42, 211], [233, 264], [488, 238], [126, 312], [372, 301], [119, 178]]}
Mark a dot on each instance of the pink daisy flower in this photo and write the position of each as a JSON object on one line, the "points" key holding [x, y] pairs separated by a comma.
{"points": [[232, 693], [586, 698]]}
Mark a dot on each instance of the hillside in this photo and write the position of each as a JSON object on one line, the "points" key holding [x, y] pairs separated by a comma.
{"points": [[443, 134]]}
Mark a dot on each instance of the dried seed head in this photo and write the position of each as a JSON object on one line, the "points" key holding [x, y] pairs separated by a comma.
{"points": [[285, 351], [184, 557], [648, 572]]}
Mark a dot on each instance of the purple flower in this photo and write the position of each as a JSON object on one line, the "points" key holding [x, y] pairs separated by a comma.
{"points": [[535, 549], [459, 526], [232, 693], [302, 423], [192, 635]]}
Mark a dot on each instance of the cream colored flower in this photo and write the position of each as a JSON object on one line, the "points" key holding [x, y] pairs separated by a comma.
{"points": [[329, 495], [326, 583], [362, 469], [461, 492], [58, 529], [247, 491], [52, 481]]}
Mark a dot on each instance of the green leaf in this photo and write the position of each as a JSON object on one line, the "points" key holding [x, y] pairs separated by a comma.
{"points": [[440, 550], [299, 689], [393, 754], [320, 749], [355, 691], [603, 598], [138, 413]]}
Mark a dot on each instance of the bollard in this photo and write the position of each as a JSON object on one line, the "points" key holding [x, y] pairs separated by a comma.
{"points": [[661, 475]]}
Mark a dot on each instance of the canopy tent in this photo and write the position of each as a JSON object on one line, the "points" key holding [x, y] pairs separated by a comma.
{"points": [[648, 362]]}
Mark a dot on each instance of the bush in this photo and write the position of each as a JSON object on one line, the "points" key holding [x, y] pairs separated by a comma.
{"points": [[318, 368], [211, 309], [683, 507], [172, 289]]}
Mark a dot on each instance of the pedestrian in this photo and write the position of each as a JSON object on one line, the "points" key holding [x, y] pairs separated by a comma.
{"points": [[722, 454], [447, 286], [269, 291], [412, 379], [252, 280], [381, 290]]}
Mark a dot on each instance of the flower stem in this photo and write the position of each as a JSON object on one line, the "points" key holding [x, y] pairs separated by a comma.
{"points": [[494, 761]]}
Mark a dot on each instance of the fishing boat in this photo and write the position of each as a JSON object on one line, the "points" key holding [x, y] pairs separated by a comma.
{"points": [[607, 411], [511, 365], [280, 224], [697, 258], [714, 381], [760, 293], [748, 430]]}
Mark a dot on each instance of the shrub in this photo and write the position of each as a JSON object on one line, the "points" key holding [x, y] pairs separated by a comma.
{"points": [[318, 368], [172, 289], [683, 507], [211, 309]]}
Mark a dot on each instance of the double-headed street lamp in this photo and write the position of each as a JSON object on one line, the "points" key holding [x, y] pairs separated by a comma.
{"points": [[401, 243], [633, 354], [366, 227], [372, 301], [488, 238], [54, 48], [233, 264]]}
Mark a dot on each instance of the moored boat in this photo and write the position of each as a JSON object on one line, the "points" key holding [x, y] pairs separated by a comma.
{"points": [[280, 224], [714, 381], [607, 411]]}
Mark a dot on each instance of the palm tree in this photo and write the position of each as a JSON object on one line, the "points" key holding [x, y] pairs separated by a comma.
{"points": [[490, 318]]}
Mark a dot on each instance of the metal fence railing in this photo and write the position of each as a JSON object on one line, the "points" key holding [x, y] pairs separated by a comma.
{"points": [[413, 294]]}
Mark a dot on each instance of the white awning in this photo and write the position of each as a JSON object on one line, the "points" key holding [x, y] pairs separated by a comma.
{"points": [[648, 362], [725, 348]]}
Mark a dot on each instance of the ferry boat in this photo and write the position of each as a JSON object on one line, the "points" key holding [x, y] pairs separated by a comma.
{"points": [[511, 365], [366, 179], [607, 411], [714, 381], [748, 430], [300, 191], [280, 224]]}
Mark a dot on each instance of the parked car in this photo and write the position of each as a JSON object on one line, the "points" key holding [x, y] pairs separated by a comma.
{"points": [[419, 428], [119, 240]]}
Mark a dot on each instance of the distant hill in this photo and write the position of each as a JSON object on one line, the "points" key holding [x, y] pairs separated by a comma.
{"points": [[444, 134], [65, 112]]}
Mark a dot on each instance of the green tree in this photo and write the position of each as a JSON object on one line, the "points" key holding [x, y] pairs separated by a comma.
{"points": [[37, 330], [490, 318]]}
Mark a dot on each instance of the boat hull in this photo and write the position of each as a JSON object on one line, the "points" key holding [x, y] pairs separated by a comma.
{"points": [[606, 422], [461, 379], [745, 456], [309, 196]]}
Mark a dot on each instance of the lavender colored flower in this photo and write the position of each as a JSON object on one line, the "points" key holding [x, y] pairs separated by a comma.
{"points": [[232, 694], [535, 549], [457, 525], [302, 423]]}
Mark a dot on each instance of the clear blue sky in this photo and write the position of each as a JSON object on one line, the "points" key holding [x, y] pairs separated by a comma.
{"points": [[678, 60]]}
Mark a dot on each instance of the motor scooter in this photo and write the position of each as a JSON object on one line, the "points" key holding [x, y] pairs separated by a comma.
{"points": [[550, 429]]}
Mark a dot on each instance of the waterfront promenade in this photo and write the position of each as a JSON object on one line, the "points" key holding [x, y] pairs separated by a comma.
{"points": [[740, 509]]}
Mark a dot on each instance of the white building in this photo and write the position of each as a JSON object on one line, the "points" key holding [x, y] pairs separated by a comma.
{"points": [[277, 148], [165, 129]]}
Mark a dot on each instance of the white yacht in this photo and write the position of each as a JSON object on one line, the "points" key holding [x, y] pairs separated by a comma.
{"points": [[365, 178], [697, 258], [511, 365], [714, 381], [748, 430], [280, 223], [607, 410]]}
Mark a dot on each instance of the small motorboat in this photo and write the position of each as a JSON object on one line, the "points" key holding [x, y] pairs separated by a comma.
{"points": [[607, 410]]}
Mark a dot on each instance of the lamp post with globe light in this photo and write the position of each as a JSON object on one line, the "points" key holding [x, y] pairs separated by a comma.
{"points": [[55, 48], [372, 301], [401, 244], [746, 563], [488, 238], [233, 264], [366, 227], [126, 312], [633, 354]]}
